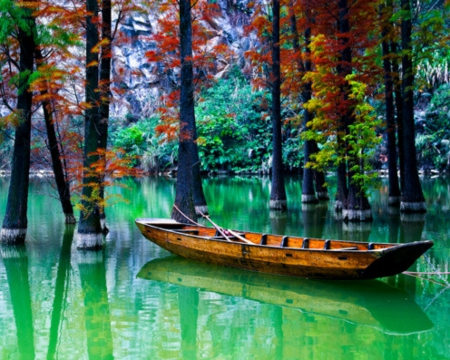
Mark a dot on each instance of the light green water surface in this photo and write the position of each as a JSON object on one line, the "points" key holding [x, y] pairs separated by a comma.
{"points": [[133, 300]]}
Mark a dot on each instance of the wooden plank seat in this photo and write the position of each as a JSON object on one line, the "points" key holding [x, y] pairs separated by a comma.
{"points": [[231, 237], [345, 248], [188, 231]]}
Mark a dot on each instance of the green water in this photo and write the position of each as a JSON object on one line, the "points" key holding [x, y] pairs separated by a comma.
{"points": [[133, 300]]}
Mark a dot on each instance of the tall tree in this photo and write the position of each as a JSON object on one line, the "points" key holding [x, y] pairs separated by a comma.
{"points": [[386, 30], [184, 198], [308, 191], [105, 95], [15, 221], [89, 228], [60, 173], [278, 191], [201, 59], [412, 199]]}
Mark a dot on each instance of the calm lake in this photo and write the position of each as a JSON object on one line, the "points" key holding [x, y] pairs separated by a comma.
{"points": [[133, 300]]}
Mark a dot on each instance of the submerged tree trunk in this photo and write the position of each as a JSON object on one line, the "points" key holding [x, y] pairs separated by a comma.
{"points": [[105, 97], [15, 222], [201, 206], [61, 180], [308, 191], [89, 235], [356, 206], [278, 191], [319, 177], [412, 195], [399, 112], [184, 197]]}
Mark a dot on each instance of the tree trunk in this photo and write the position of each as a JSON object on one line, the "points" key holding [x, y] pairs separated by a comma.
{"points": [[184, 197], [319, 177], [89, 235], [394, 188], [357, 207], [412, 200], [278, 191], [399, 109], [201, 206], [62, 183], [105, 97], [14, 227], [308, 191], [342, 188]]}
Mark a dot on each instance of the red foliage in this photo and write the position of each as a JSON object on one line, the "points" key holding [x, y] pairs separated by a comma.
{"points": [[206, 52]]}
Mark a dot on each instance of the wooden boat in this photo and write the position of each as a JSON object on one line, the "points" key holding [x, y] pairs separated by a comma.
{"points": [[372, 303], [283, 255]]}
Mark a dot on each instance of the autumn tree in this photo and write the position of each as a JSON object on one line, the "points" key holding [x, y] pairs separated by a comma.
{"points": [[98, 163], [53, 41], [344, 122], [183, 48], [17, 20], [300, 22], [89, 228], [267, 62]]}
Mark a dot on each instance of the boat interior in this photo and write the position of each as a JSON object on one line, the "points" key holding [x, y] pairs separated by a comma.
{"points": [[271, 240]]}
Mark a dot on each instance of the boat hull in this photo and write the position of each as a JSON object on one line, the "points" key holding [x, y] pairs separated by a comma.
{"points": [[288, 261]]}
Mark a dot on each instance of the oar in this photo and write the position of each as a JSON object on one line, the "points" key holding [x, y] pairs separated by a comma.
{"points": [[219, 229], [239, 237], [216, 226]]}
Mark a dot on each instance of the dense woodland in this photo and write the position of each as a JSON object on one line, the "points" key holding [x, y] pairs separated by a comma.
{"points": [[344, 87]]}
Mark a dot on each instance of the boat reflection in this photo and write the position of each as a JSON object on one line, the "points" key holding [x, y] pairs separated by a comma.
{"points": [[369, 303]]}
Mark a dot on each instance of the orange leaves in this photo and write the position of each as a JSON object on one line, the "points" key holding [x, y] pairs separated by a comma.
{"points": [[104, 170], [209, 55]]}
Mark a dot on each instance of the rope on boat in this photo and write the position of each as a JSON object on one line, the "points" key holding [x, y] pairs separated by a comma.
{"points": [[192, 221], [223, 232], [418, 276]]}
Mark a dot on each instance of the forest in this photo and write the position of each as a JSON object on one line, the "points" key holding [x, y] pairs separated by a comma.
{"points": [[96, 90]]}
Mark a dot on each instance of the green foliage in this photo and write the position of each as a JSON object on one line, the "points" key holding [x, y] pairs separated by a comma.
{"points": [[140, 142], [233, 126], [432, 143], [360, 139]]}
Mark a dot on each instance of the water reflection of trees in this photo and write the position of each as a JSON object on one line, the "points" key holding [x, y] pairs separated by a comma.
{"points": [[97, 317], [15, 259], [61, 289]]}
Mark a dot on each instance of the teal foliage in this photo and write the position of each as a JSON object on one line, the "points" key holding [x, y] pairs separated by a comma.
{"points": [[234, 129], [293, 153], [234, 132], [140, 142], [433, 141]]}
